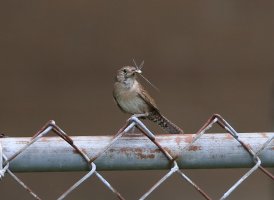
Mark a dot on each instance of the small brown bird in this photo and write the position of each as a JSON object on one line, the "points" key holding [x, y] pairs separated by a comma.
{"points": [[132, 98]]}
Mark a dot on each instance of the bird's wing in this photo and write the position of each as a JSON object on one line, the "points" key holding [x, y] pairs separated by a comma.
{"points": [[147, 98]]}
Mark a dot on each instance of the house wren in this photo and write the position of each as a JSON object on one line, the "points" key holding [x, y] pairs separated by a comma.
{"points": [[132, 98]]}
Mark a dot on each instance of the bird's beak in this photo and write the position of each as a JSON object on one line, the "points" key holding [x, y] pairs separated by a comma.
{"points": [[138, 71]]}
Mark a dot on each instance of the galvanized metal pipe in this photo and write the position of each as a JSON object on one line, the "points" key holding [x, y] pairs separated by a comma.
{"points": [[136, 152]]}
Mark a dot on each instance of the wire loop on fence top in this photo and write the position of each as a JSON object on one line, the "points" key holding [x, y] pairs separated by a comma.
{"points": [[93, 168], [51, 126], [3, 167], [135, 122], [175, 167], [225, 125]]}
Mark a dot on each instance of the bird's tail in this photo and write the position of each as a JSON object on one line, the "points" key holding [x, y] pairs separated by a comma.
{"points": [[162, 121]]}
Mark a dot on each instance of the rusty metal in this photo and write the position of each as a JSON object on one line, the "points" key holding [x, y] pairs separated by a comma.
{"points": [[216, 118], [51, 126], [172, 161], [127, 150], [268, 173], [117, 136], [134, 152]]}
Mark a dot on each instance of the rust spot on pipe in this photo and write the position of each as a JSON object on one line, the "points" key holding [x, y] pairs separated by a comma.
{"points": [[75, 151], [155, 151], [178, 140], [194, 148], [142, 155], [135, 134], [44, 139], [188, 139], [125, 150], [263, 135], [47, 139], [229, 137], [84, 151], [145, 156], [139, 152]]}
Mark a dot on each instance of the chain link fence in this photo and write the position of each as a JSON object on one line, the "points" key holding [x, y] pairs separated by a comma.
{"points": [[135, 123]]}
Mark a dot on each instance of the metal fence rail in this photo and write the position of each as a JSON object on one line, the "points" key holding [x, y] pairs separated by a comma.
{"points": [[131, 151], [137, 152]]}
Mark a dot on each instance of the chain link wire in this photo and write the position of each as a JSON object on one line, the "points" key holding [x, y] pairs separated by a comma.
{"points": [[130, 124]]}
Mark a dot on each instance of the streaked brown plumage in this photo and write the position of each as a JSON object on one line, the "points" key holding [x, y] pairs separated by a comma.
{"points": [[132, 98]]}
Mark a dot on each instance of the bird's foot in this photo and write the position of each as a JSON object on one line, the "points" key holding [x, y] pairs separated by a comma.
{"points": [[139, 116]]}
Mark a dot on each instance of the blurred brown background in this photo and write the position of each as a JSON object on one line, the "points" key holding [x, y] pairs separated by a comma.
{"points": [[58, 59]]}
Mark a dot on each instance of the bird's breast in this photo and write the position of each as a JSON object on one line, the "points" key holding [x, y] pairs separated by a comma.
{"points": [[129, 100]]}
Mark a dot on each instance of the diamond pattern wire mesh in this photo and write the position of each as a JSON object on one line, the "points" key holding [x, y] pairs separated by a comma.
{"points": [[131, 123]]}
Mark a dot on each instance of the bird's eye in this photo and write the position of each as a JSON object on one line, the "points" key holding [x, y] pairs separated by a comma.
{"points": [[125, 71]]}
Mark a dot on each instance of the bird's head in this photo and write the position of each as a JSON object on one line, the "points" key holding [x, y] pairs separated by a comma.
{"points": [[127, 72]]}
